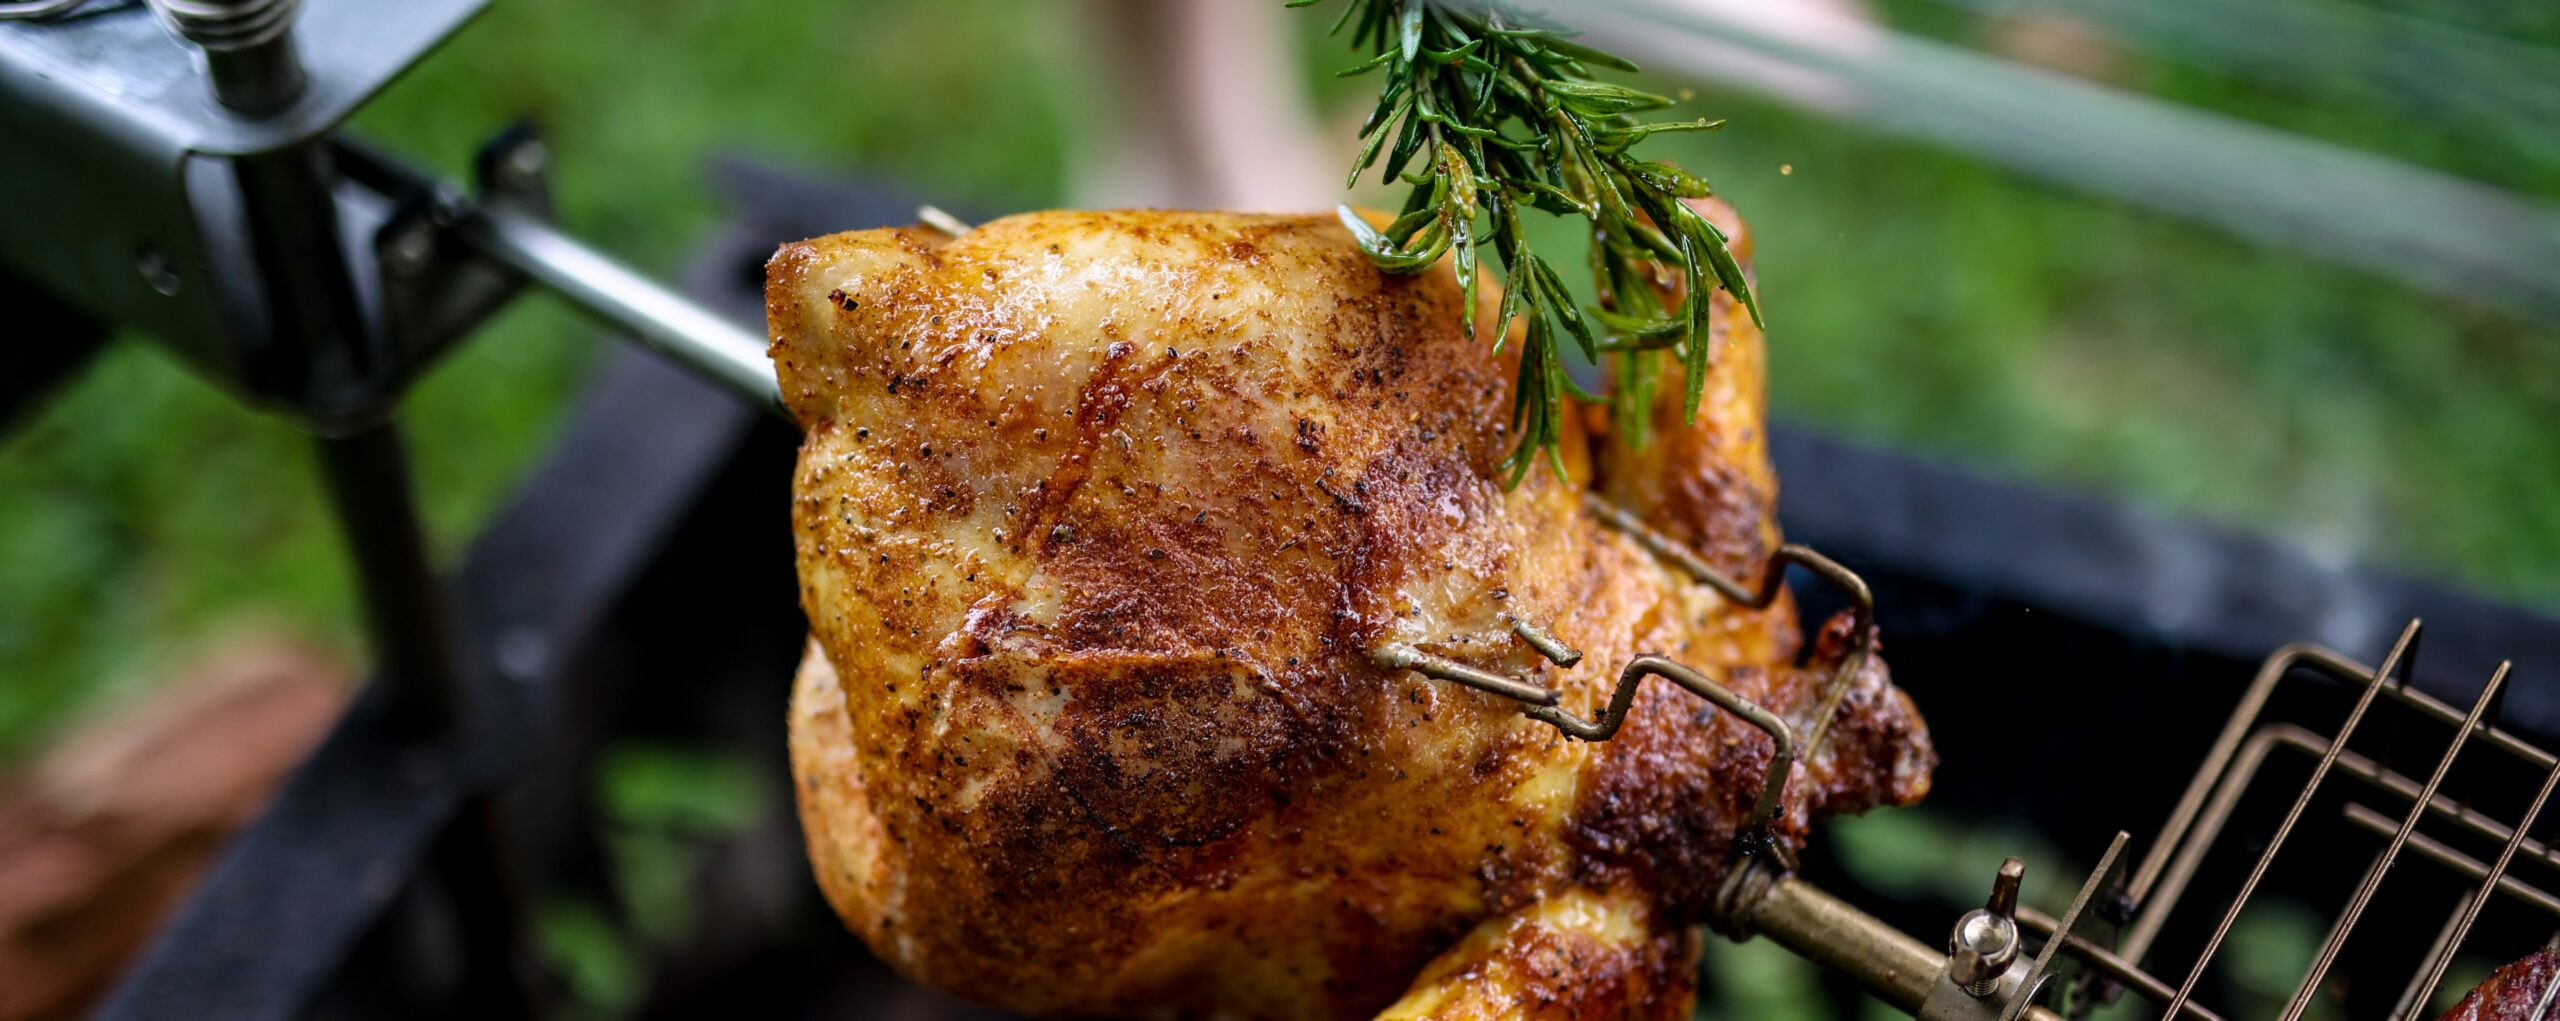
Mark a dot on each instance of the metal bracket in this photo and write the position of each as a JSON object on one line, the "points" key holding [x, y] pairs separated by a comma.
{"points": [[436, 287], [2100, 878], [128, 171]]}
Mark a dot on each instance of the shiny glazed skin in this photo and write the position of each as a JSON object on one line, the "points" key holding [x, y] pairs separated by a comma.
{"points": [[1099, 519]]}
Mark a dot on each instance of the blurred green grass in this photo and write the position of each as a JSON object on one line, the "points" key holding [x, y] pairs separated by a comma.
{"points": [[1917, 298]]}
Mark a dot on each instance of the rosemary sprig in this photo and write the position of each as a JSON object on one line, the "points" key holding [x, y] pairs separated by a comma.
{"points": [[1501, 113]]}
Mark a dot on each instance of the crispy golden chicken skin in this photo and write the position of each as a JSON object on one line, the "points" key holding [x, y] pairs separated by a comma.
{"points": [[1100, 519]]}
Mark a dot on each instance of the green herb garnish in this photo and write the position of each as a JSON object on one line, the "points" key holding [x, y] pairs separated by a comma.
{"points": [[1502, 112]]}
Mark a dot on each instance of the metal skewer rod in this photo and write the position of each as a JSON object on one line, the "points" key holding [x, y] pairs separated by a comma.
{"points": [[659, 319], [2258, 871], [1833, 933]]}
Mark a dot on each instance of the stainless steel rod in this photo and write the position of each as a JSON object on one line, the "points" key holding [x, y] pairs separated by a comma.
{"points": [[659, 319], [1830, 932], [2444, 854]]}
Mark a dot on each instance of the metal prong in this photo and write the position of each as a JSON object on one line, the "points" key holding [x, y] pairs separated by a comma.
{"points": [[2004, 888], [2110, 963], [2437, 851], [936, 218], [1547, 644], [1773, 580], [2328, 955], [1783, 748], [2391, 664], [1406, 657]]}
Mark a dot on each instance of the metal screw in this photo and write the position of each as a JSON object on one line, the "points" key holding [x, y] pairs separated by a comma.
{"points": [[157, 273], [410, 251], [523, 652], [1985, 942], [522, 170]]}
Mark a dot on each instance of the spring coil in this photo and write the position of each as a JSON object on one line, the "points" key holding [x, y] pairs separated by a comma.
{"points": [[227, 24]]}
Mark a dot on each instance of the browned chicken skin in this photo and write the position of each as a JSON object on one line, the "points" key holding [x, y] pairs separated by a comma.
{"points": [[1101, 517], [2511, 993]]}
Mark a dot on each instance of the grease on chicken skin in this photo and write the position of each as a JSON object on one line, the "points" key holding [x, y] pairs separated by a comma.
{"points": [[1099, 518]]}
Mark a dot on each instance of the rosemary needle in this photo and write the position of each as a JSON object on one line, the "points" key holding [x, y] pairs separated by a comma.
{"points": [[1485, 111]]}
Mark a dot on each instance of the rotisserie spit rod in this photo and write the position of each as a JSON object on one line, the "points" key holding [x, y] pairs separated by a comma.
{"points": [[1828, 931], [715, 348]]}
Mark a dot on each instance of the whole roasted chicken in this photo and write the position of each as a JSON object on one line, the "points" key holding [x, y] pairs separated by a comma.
{"points": [[1115, 531]]}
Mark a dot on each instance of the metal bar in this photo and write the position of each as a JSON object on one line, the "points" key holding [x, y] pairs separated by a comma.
{"points": [[2258, 871], [1547, 644], [2473, 81], [1406, 657], [2443, 956], [2252, 756], [2109, 964], [2410, 999], [2531, 753], [1785, 750], [1830, 932], [659, 319], [271, 922], [2182, 869], [409, 622], [2431, 229], [2364, 891], [2253, 700], [2444, 854]]}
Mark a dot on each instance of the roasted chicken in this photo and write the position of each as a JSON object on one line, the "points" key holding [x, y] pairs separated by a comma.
{"points": [[1102, 519]]}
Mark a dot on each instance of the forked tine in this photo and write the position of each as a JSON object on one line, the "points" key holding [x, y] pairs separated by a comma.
{"points": [[1773, 783], [936, 218], [1773, 579], [2258, 872], [1544, 702], [1547, 644], [2364, 891], [1406, 657], [1543, 707]]}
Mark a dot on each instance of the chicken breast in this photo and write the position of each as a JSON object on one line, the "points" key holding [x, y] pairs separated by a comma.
{"points": [[1102, 521]]}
